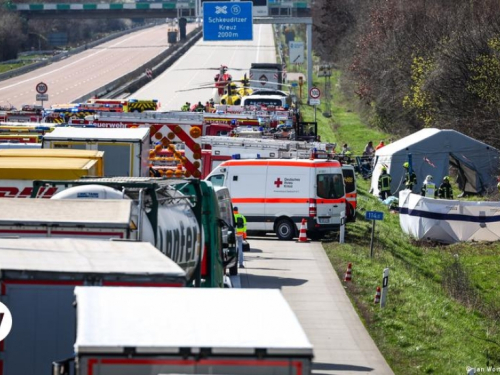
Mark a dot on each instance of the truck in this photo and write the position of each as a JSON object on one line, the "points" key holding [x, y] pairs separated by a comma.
{"points": [[276, 194], [182, 340], [72, 218], [96, 155], [179, 216], [219, 251], [18, 173], [38, 278], [126, 151], [266, 75]]}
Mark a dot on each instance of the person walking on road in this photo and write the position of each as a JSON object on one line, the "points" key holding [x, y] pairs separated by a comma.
{"points": [[241, 231], [384, 184], [445, 190]]}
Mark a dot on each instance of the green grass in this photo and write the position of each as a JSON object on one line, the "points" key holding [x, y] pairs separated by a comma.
{"points": [[425, 328], [7, 67]]}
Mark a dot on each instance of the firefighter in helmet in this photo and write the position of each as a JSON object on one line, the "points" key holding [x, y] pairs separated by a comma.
{"points": [[384, 184], [445, 190], [410, 178]]}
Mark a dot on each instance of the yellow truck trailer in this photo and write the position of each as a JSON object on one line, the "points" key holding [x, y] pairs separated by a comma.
{"points": [[96, 155], [18, 173]]}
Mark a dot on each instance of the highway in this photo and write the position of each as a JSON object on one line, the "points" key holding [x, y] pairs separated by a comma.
{"points": [[303, 273], [82, 73], [199, 65]]}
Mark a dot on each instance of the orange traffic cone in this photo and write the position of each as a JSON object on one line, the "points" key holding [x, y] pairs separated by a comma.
{"points": [[348, 273], [377, 296], [303, 235]]}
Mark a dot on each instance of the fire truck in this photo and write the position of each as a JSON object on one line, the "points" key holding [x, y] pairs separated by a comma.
{"points": [[128, 105]]}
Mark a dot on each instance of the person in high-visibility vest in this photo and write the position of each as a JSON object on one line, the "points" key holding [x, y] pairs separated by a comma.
{"points": [[241, 233], [445, 189], [384, 184], [429, 188], [186, 107]]}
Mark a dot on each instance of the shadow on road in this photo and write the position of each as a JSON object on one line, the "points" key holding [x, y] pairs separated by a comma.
{"points": [[337, 367], [268, 282]]}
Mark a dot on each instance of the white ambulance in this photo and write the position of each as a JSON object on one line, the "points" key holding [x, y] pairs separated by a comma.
{"points": [[275, 195]]}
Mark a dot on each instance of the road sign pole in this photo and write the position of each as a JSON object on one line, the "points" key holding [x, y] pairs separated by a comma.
{"points": [[372, 238], [315, 113], [309, 57]]}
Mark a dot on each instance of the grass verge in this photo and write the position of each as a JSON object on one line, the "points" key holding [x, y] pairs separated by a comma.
{"points": [[443, 306]]}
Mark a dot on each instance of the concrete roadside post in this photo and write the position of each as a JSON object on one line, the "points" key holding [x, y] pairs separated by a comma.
{"points": [[385, 287], [342, 227]]}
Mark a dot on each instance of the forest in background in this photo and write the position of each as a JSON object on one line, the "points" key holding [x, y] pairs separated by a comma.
{"points": [[416, 63]]}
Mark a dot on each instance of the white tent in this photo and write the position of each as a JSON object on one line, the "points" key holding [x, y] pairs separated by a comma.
{"points": [[432, 152]]}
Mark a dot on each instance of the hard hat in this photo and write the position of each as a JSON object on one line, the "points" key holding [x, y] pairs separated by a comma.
{"points": [[429, 177], [406, 165], [384, 169], [446, 178]]}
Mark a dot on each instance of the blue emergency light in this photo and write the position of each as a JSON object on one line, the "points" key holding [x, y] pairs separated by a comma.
{"points": [[236, 156]]}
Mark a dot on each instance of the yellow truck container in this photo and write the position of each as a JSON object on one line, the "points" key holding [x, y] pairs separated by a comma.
{"points": [[96, 155], [18, 173]]}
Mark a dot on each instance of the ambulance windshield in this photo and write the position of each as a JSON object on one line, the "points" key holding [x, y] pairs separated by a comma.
{"points": [[330, 186]]}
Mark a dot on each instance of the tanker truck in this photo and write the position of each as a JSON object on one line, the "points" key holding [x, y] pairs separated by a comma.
{"points": [[185, 226]]}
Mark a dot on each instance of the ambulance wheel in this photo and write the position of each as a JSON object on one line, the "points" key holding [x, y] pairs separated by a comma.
{"points": [[285, 230], [233, 271]]}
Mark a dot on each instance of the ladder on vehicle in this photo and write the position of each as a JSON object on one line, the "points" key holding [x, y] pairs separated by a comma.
{"points": [[180, 118]]}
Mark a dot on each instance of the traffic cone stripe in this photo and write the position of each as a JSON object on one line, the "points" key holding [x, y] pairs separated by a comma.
{"points": [[377, 296], [303, 235], [348, 273]]}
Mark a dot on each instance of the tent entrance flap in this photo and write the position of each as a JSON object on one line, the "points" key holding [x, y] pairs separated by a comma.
{"points": [[468, 179]]}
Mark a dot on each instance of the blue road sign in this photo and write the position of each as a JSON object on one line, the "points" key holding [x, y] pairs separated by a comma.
{"points": [[374, 215], [227, 20]]}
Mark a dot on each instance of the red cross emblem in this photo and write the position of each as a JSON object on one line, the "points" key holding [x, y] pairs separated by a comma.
{"points": [[278, 183]]}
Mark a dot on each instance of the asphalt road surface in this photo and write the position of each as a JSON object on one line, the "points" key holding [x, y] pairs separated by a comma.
{"points": [[303, 273], [200, 64], [82, 73]]}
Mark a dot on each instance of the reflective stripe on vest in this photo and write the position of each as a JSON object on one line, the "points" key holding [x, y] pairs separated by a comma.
{"points": [[430, 189], [385, 181]]}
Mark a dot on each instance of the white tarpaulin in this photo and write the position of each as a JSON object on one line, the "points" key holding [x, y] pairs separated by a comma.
{"points": [[448, 221]]}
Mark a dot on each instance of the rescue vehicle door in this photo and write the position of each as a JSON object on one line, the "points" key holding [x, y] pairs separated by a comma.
{"points": [[330, 194]]}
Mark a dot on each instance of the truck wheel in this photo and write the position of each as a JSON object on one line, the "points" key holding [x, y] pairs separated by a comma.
{"points": [[233, 271], [285, 230]]}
